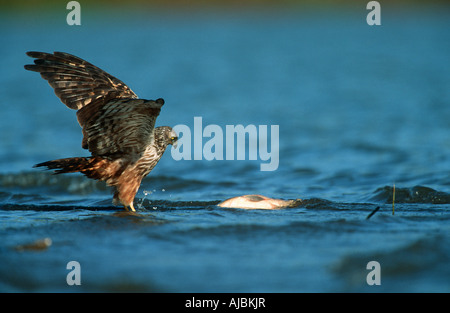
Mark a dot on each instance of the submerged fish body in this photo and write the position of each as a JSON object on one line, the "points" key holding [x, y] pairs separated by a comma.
{"points": [[258, 202]]}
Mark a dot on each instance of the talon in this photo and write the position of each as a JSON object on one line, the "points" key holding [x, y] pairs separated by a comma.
{"points": [[131, 209]]}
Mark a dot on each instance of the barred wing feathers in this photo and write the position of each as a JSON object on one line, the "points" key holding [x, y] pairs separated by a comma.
{"points": [[119, 127], [114, 121], [75, 81]]}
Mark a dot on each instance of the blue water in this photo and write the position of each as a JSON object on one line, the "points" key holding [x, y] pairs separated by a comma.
{"points": [[359, 109]]}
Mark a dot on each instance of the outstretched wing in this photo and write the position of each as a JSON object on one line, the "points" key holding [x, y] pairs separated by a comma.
{"points": [[77, 82], [119, 127], [113, 120]]}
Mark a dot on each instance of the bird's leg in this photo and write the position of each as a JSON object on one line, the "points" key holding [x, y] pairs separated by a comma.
{"points": [[131, 209]]}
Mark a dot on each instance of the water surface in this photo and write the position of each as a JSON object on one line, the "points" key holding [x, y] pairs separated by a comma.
{"points": [[359, 109]]}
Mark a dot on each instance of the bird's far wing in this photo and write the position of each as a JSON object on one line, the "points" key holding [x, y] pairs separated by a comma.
{"points": [[118, 127], [75, 81]]}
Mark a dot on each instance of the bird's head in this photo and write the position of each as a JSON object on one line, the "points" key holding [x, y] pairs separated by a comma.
{"points": [[173, 138], [166, 135]]}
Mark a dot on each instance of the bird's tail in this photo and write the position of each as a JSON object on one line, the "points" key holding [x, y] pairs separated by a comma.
{"points": [[92, 167]]}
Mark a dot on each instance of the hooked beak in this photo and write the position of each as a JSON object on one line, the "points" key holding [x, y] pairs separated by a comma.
{"points": [[175, 142]]}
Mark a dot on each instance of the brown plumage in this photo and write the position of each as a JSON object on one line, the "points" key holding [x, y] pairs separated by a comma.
{"points": [[118, 128]]}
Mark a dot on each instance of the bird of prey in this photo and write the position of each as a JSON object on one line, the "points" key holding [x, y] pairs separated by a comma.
{"points": [[118, 128]]}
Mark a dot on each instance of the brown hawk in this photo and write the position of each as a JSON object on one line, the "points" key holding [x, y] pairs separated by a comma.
{"points": [[118, 128]]}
